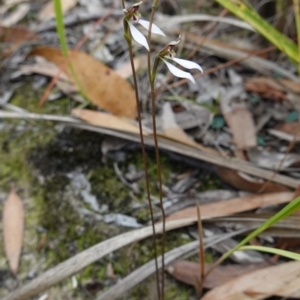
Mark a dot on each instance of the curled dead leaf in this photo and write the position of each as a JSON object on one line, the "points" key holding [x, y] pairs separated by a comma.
{"points": [[188, 272], [244, 182]]}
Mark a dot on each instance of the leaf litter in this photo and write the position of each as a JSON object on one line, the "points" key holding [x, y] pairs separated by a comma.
{"points": [[255, 128]]}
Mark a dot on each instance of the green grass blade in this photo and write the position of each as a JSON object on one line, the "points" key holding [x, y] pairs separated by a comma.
{"points": [[282, 214], [60, 28], [297, 20], [248, 14], [284, 253]]}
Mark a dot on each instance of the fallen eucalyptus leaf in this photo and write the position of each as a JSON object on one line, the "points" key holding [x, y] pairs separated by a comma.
{"points": [[100, 84], [13, 228], [281, 280]]}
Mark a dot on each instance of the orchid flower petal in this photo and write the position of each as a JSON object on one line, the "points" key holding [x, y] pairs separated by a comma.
{"points": [[187, 64], [138, 36], [177, 72], [154, 29]]}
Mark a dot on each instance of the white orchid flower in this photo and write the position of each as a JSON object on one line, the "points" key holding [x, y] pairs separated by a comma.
{"points": [[168, 53], [132, 16]]}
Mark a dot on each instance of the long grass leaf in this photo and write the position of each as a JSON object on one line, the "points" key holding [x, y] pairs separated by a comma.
{"points": [[282, 214], [60, 28], [297, 20], [248, 14], [284, 253]]}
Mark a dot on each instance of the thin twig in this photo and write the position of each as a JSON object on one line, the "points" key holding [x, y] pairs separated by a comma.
{"points": [[81, 260], [140, 274], [201, 250]]}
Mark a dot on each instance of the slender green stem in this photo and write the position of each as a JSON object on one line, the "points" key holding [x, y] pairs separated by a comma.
{"points": [[60, 27], [157, 155], [145, 162], [297, 20], [282, 214]]}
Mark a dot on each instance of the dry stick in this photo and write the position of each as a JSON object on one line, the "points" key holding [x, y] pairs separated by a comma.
{"points": [[85, 258], [64, 65], [145, 162], [201, 251], [140, 274], [165, 144], [157, 156]]}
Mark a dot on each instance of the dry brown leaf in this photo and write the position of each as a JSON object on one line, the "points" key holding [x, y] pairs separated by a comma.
{"points": [[242, 127], [287, 131], [16, 35], [282, 280], [13, 227], [48, 10], [105, 120], [233, 206], [292, 128], [188, 272], [270, 88], [100, 84], [242, 181], [265, 90]]}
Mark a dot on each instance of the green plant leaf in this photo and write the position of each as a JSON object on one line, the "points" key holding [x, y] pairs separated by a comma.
{"points": [[248, 14], [285, 253], [59, 17], [285, 212], [296, 4], [60, 28]]}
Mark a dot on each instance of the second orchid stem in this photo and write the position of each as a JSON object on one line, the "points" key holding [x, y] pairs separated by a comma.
{"points": [[145, 162], [151, 76]]}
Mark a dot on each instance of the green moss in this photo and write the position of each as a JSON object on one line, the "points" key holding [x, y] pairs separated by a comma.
{"points": [[27, 98], [210, 183], [110, 190], [147, 290], [173, 293], [55, 228]]}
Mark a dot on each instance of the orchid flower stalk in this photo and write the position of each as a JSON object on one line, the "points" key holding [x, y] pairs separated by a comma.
{"points": [[131, 17]]}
